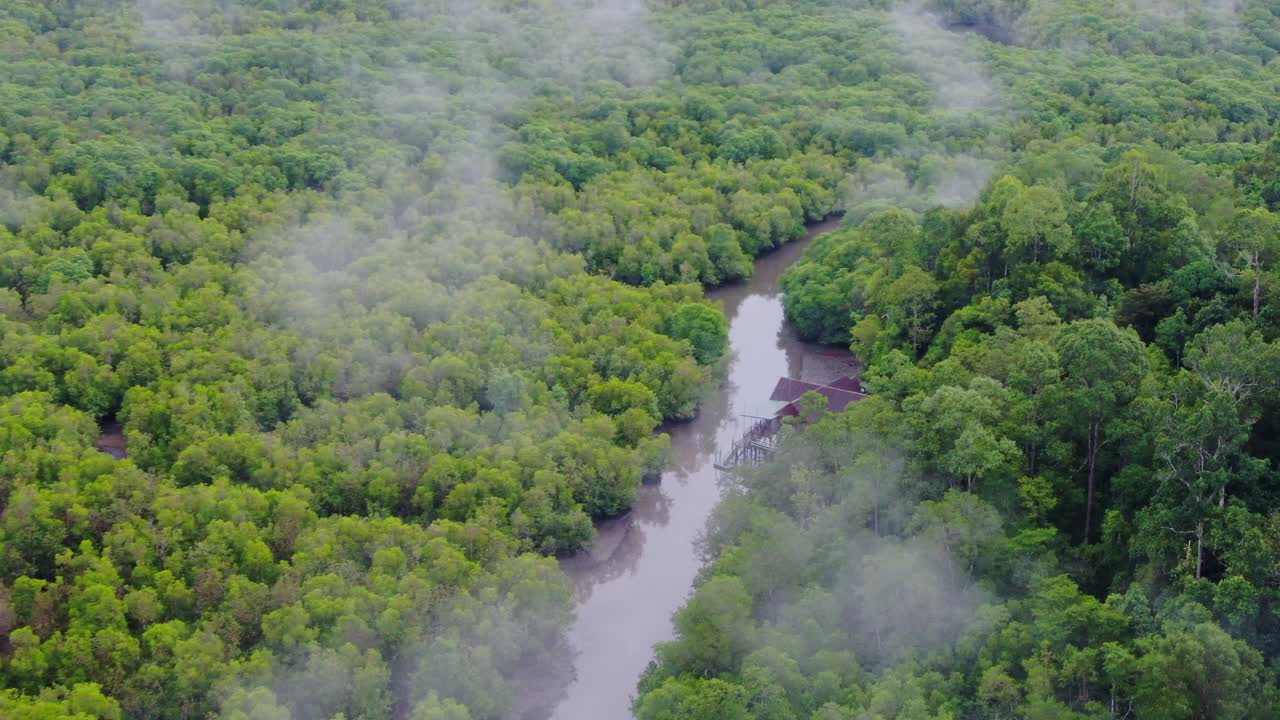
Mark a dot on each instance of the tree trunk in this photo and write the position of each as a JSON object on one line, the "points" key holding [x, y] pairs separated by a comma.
{"points": [[1257, 293], [1199, 548], [1095, 431]]}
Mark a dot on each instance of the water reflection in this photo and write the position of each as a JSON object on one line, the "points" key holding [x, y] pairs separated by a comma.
{"points": [[642, 566], [619, 543]]}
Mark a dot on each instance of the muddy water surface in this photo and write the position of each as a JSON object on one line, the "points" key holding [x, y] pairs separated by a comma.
{"points": [[112, 441], [642, 566]]}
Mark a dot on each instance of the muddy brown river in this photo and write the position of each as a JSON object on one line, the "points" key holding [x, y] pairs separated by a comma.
{"points": [[642, 566]]}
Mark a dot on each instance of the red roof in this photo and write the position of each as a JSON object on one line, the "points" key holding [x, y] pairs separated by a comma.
{"points": [[848, 383], [839, 394]]}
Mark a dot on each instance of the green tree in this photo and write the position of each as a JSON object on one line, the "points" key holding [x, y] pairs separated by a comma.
{"points": [[703, 327], [1251, 244], [715, 630], [695, 699], [910, 302], [1036, 223], [1103, 367], [1197, 672]]}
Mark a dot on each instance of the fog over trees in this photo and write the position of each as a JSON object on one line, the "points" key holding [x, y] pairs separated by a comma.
{"points": [[378, 305]]}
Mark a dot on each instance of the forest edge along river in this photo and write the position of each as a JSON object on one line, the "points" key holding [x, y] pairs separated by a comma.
{"points": [[642, 565]]}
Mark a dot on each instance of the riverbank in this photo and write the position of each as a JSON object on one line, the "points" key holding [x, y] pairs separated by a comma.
{"points": [[642, 565]]}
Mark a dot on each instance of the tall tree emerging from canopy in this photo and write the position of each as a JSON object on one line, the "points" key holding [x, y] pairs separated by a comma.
{"points": [[910, 301], [1103, 366], [1203, 449], [1251, 245], [1036, 224]]}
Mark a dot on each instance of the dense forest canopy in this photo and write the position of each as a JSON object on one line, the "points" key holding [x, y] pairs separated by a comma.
{"points": [[1060, 500], [389, 298]]}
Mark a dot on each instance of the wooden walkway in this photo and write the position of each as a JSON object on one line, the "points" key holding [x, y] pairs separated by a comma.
{"points": [[760, 442], [757, 445]]}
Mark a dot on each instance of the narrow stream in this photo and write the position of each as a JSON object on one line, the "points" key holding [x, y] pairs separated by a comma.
{"points": [[642, 566]]}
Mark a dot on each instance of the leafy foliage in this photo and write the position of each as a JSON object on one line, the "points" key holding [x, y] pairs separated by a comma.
{"points": [[1059, 500]]}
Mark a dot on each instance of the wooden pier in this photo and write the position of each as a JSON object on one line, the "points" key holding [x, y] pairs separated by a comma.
{"points": [[757, 445]]}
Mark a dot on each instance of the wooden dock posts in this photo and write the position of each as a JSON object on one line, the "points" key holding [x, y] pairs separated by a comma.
{"points": [[757, 445]]}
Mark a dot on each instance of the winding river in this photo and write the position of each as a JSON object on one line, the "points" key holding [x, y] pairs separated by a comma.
{"points": [[643, 564]]}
